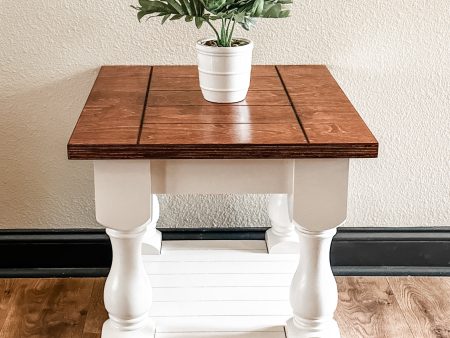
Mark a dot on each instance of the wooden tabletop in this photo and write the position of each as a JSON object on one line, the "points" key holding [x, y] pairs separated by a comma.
{"points": [[137, 112]]}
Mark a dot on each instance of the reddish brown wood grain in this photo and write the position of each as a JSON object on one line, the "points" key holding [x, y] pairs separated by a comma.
{"points": [[392, 307], [113, 111], [209, 134], [195, 98], [192, 71], [220, 114], [290, 112], [325, 112], [48, 308], [259, 83]]}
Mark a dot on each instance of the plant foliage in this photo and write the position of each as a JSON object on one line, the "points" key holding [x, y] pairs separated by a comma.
{"points": [[227, 12]]}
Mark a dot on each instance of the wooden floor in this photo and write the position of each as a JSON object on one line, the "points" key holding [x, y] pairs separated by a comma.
{"points": [[226, 289]]}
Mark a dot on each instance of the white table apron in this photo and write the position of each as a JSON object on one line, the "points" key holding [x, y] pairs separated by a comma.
{"points": [[309, 195]]}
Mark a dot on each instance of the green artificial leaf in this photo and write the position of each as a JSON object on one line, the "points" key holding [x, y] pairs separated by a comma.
{"points": [[239, 18], [272, 11], [187, 7], [176, 6], [199, 21], [194, 7], [140, 15], [164, 19], [258, 7], [226, 12]]}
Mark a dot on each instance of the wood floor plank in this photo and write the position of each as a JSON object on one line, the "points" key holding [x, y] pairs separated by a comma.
{"points": [[91, 335], [425, 302], [48, 308], [226, 305], [368, 308], [6, 296], [97, 314]]}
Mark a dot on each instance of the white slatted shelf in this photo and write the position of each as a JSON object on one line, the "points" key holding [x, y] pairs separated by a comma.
{"points": [[222, 335], [219, 280], [219, 289], [193, 268], [220, 324], [220, 293]]}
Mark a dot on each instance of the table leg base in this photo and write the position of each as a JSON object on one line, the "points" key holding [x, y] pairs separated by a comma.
{"points": [[330, 330], [151, 244], [281, 244], [110, 330]]}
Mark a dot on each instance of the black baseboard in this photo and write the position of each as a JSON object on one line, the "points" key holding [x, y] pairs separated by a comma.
{"points": [[354, 251]]}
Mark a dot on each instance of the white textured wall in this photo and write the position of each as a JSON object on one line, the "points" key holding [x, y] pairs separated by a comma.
{"points": [[392, 58]]}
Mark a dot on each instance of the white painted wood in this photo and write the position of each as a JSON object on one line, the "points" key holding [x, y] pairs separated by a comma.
{"points": [[238, 303], [255, 324], [250, 251], [127, 294], [281, 237], [319, 205], [122, 193], [317, 191], [213, 246], [222, 335], [223, 293], [123, 205], [219, 280], [221, 176], [313, 294], [223, 256], [320, 193], [221, 308], [182, 267], [151, 244]]}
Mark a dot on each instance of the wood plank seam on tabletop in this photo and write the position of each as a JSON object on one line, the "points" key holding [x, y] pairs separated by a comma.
{"points": [[145, 105], [184, 71], [257, 83], [203, 123], [87, 100], [327, 116], [257, 114], [175, 97], [292, 104], [113, 110]]}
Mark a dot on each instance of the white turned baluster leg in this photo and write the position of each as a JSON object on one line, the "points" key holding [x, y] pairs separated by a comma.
{"points": [[281, 237], [123, 206], [313, 294], [151, 244], [128, 294], [319, 207]]}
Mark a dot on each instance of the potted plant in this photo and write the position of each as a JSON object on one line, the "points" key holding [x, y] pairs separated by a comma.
{"points": [[224, 62]]}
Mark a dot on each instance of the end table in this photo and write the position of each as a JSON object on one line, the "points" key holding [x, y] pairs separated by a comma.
{"points": [[149, 131]]}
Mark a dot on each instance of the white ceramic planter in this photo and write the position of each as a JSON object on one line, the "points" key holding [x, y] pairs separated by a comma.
{"points": [[224, 72]]}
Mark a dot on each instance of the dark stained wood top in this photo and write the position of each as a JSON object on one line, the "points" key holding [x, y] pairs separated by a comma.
{"points": [[159, 113]]}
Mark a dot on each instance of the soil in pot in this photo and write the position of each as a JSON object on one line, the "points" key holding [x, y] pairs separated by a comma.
{"points": [[234, 43]]}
